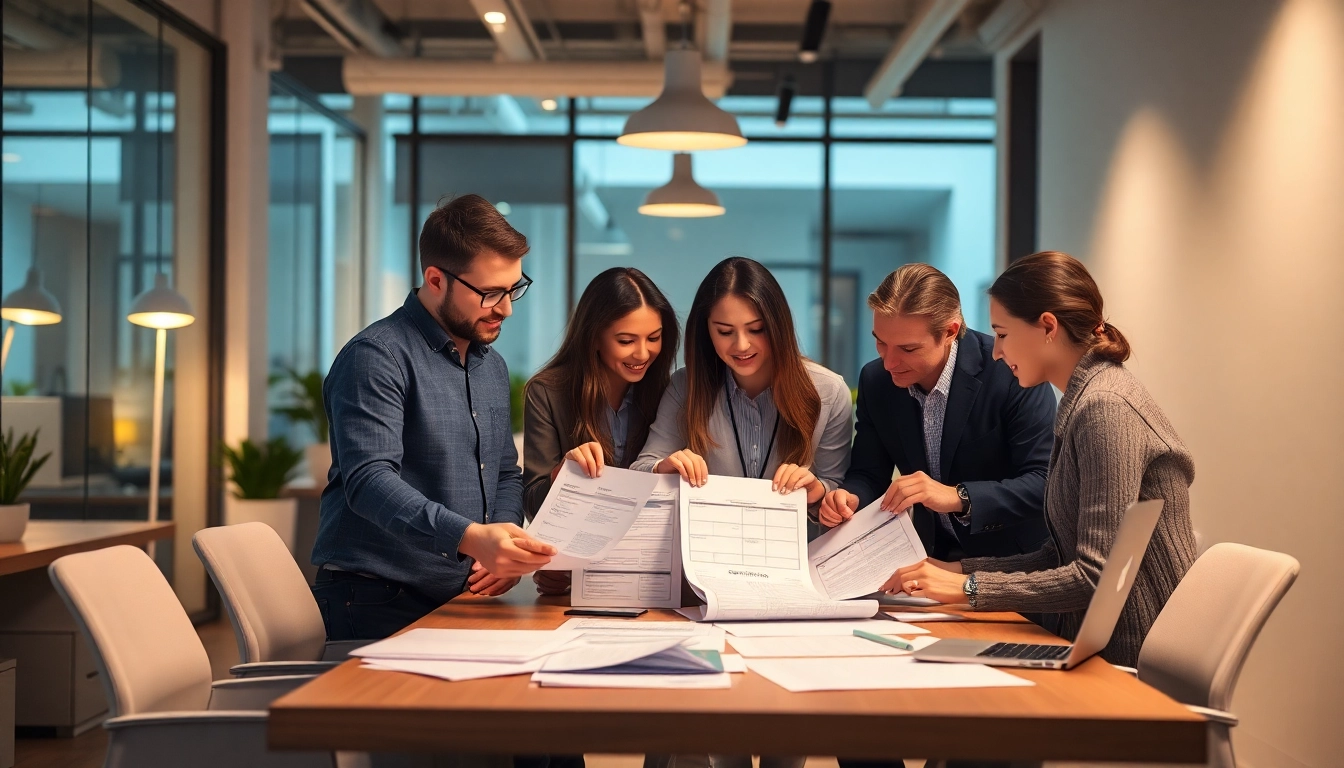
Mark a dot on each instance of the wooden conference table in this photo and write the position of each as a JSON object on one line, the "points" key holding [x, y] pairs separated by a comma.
{"points": [[45, 541], [1095, 712]]}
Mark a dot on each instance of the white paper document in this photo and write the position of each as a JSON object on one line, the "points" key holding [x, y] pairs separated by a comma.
{"points": [[585, 517], [643, 569], [494, 645], [659, 656], [696, 637], [882, 673], [819, 628], [598, 680], [454, 670], [918, 617], [733, 662], [744, 550], [820, 646], [858, 556]]}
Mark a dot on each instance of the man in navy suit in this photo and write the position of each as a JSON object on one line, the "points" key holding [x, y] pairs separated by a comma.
{"points": [[971, 445]]}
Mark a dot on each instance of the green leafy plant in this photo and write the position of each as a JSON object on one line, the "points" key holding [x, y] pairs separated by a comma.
{"points": [[517, 387], [21, 388], [305, 400], [260, 471], [17, 465]]}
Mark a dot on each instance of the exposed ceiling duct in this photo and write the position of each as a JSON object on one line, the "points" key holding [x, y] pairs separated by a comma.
{"points": [[367, 76], [911, 48], [357, 25], [1005, 21]]}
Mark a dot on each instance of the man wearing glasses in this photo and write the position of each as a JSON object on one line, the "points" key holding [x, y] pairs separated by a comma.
{"points": [[424, 498]]}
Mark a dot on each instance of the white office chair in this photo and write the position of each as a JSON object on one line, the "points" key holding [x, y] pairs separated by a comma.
{"points": [[275, 619], [1196, 648], [165, 711]]}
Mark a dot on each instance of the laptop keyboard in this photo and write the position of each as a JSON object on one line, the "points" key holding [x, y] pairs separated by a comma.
{"points": [[1027, 651]]}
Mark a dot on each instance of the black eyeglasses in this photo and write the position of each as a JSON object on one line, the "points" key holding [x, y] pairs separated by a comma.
{"points": [[492, 298]]}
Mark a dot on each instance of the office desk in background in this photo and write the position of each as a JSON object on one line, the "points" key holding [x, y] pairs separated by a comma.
{"points": [[58, 684], [1092, 713]]}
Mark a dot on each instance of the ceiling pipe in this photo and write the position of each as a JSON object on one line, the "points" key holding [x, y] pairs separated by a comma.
{"points": [[367, 76], [357, 25], [911, 48]]}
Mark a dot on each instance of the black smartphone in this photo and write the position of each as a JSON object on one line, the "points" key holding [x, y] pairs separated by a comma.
{"points": [[611, 613]]}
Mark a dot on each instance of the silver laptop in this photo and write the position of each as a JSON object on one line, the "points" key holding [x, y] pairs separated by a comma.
{"points": [[1117, 577]]}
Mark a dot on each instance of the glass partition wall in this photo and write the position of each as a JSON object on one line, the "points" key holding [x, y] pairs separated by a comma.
{"points": [[831, 201], [111, 176]]}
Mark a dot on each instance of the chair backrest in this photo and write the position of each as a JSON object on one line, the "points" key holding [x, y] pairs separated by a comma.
{"points": [[274, 615], [1196, 647], [146, 649]]}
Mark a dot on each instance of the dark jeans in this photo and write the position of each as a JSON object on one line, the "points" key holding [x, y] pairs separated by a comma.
{"points": [[357, 607]]}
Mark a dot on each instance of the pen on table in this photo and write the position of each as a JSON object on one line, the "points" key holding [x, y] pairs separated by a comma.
{"points": [[894, 642]]}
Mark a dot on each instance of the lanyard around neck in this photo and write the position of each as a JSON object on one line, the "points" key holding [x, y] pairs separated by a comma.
{"points": [[741, 457]]}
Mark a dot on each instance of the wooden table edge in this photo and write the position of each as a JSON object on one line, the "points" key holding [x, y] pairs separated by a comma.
{"points": [[38, 558]]}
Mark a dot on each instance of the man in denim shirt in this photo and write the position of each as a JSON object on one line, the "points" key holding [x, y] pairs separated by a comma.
{"points": [[425, 494]]}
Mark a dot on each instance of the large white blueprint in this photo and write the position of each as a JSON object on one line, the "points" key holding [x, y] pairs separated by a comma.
{"points": [[744, 550], [857, 557], [584, 517], [643, 569]]}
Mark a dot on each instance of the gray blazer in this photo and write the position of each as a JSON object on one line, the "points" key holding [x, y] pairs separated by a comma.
{"points": [[830, 438], [1113, 446]]}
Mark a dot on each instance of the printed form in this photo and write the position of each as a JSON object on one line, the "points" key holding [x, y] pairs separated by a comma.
{"points": [[857, 557], [643, 569], [585, 517], [744, 550]]}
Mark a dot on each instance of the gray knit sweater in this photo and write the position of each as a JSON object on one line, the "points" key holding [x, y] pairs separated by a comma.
{"points": [[1113, 446]]}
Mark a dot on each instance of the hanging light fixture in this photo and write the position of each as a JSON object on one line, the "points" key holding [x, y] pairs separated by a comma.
{"points": [[681, 119], [682, 197], [31, 303], [160, 308]]}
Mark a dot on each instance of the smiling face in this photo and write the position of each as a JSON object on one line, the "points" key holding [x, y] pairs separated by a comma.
{"points": [[910, 351], [1020, 344], [631, 344], [738, 332], [461, 312]]}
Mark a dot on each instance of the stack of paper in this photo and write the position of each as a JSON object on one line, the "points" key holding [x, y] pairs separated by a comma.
{"points": [[888, 672], [697, 637]]}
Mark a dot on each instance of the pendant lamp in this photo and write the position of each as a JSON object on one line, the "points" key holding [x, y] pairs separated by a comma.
{"points": [[681, 197], [681, 119], [31, 303]]}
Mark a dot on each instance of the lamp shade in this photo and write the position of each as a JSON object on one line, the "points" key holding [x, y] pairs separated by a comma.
{"points": [[161, 307], [681, 119], [31, 304], [681, 197]]}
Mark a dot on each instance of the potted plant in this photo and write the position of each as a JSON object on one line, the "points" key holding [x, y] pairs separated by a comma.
{"points": [[17, 467], [306, 407], [258, 472]]}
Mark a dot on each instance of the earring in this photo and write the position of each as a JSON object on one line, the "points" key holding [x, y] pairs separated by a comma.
{"points": [[1049, 339]]}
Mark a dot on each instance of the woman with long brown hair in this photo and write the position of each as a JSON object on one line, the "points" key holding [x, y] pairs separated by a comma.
{"points": [[748, 404], [593, 402], [1113, 446]]}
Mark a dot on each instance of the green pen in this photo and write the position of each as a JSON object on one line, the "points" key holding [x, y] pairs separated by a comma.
{"points": [[894, 642]]}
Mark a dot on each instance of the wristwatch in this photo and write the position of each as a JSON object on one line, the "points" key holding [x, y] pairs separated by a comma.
{"points": [[965, 497], [969, 588]]}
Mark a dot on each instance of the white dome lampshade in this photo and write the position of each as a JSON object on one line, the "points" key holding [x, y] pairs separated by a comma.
{"points": [[681, 197], [31, 304], [161, 307], [681, 119]]}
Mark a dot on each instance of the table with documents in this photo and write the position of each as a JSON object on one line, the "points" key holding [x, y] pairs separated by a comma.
{"points": [[1095, 712]]}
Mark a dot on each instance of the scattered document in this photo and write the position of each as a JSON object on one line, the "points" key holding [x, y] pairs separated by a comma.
{"points": [[454, 670], [643, 569], [640, 656], [917, 617], [744, 550], [820, 646], [590, 680], [494, 645], [585, 517], [904, 600], [858, 556], [819, 628], [869, 674], [697, 637], [733, 662]]}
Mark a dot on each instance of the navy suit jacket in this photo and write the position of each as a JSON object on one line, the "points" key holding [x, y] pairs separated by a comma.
{"points": [[997, 438]]}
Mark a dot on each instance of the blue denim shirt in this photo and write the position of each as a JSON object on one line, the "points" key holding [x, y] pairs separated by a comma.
{"points": [[421, 448]]}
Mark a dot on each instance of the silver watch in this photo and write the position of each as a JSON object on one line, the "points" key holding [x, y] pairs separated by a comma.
{"points": [[969, 588]]}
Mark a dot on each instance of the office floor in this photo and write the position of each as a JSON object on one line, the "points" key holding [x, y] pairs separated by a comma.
{"points": [[87, 749]]}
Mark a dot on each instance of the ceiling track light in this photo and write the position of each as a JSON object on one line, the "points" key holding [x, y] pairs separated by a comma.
{"points": [[813, 30], [787, 88]]}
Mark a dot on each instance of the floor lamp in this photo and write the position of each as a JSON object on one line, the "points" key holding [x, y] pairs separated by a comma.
{"points": [[160, 308]]}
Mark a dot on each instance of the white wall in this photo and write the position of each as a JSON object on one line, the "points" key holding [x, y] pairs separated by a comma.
{"points": [[1193, 154]]}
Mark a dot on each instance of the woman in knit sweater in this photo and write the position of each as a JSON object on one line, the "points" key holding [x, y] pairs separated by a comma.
{"points": [[1113, 446]]}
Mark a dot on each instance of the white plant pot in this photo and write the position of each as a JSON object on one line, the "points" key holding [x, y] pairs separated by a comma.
{"points": [[319, 462], [281, 514], [13, 521]]}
